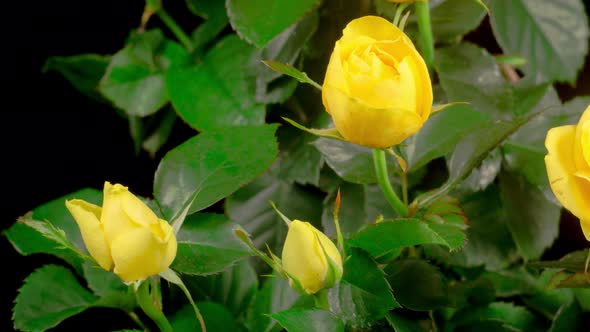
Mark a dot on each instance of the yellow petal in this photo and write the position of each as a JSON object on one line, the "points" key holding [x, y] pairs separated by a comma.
{"points": [[137, 211], [330, 248], [137, 254], [585, 224], [374, 27], [87, 216], [582, 143], [335, 73], [572, 192], [371, 127], [114, 219], [303, 257]]}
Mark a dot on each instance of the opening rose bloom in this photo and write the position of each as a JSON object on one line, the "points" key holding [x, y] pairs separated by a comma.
{"points": [[568, 167], [124, 235], [311, 257], [377, 87]]}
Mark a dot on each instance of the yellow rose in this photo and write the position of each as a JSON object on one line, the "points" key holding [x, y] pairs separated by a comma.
{"points": [[311, 257], [377, 88], [568, 167], [124, 235]]}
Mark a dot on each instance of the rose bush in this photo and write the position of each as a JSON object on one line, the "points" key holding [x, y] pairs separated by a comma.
{"points": [[377, 87], [568, 167], [125, 235]]}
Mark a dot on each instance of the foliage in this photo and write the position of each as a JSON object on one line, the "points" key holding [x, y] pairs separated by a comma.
{"points": [[469, 249]]}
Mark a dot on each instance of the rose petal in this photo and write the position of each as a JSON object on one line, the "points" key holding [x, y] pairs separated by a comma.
{"points": [[87, 216], [371, 127], [573, 192], [374, 27], [137, 254]]}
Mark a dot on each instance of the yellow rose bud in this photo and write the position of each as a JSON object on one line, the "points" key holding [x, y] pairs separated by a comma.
{"points": [[377, 87], [124, 235], [568, 167], [311, 257]]}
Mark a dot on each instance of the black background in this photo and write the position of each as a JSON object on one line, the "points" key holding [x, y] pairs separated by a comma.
{"points": [[56, 141]]}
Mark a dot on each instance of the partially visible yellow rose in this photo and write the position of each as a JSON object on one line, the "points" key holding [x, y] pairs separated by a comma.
{"points": [[568, 167], [377, 87], [311, 257], [125, 235]]}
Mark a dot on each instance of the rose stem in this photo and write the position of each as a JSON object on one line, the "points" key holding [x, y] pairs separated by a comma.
{"points": [[385, 185], [146, 303], [425, 29]]}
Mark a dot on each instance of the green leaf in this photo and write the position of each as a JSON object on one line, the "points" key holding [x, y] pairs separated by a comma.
{"points": [[28, 241], [573, 261], [470, 74], [568, 318], [275, 295], [216, 316], [134, 80], [220, 91], [215, 17], [112, 292], [250, 207], [212, 165], [84, 71], [206, 245], [353, 214], [206, 9], [455, 18], [483, 175], [49, 295], [308, 320], [547, 300], [441, 133], [490, 243], [418, 285], [552, 36], [532, 220], [353, 163], [164, 122], [284, 50], [299, 160], [381, 238], [402, 324], [291, 71], [363, 296], [511, 282], [515, 316], [472, 150], [57, 235], [583, 297], [244, 16], [235, 287]]}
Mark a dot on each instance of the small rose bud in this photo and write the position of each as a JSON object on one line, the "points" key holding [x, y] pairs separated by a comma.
{"points": [[311, 257]]}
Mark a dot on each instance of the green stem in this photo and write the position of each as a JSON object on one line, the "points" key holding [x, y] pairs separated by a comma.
{"points": [[176, 29], [404, 181], [137, 321], [146, 303], [156, 295], [385, 185], [425, 29], [321, 299]]}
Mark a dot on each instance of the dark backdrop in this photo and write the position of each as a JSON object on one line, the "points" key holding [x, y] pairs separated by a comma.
{"points": [[57, 141]]}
